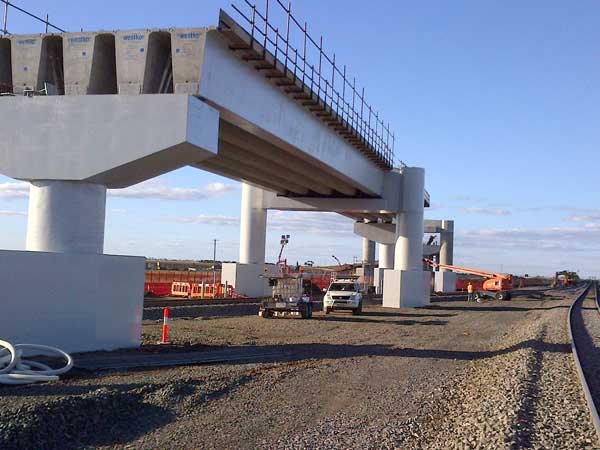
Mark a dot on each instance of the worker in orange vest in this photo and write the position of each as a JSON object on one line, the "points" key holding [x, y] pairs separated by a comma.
{"points": [[469, 292]]}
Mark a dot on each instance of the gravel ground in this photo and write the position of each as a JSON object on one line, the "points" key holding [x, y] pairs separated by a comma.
{"points": [[453, 375]]}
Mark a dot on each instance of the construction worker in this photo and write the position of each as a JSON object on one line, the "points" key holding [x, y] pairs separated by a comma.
{"points": [[469, 292]]}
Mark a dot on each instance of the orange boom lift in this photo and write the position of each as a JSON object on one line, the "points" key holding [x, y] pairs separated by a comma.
{"points": [[499, 283]]}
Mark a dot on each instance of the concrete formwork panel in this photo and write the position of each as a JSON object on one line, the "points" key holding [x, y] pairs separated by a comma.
{"points": [[26, 51], [131, 51], [188, 55], [75, 302], [5, 66], [90, 63]]}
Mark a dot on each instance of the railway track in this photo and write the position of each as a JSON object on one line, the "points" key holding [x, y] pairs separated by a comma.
{"points": [[583, 323]]}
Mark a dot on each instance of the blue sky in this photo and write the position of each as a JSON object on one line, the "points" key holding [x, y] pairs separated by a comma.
{"points": [[499, 101]]}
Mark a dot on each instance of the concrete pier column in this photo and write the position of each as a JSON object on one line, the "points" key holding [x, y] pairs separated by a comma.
{"points": [[447, 243], [409, 222], [445, 279], [386, 256], [253, 226], [368, 251], [66, 217], [408, 284], [246, 276]]}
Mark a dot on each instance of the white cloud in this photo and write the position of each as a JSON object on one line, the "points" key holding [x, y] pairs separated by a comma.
{"points": [[155, 190], [12, 190], [311, 222], [206, 220], [585, 218], [151, 189], [487, 211], [286, 221], [567, 239], [8, 213]]}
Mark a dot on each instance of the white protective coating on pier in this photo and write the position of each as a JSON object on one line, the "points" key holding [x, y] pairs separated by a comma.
{"points": [[368, 251], [66, 217], [386, 256], [253, 226]]}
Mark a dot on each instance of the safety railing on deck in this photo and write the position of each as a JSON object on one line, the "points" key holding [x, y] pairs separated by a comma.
{"points": [[304, 59]]}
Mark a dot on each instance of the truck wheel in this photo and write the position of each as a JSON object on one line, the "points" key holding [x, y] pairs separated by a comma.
{"points": [[477, 296], [265, 313], [500, 295]]}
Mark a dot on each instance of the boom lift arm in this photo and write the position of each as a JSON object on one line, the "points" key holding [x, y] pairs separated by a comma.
{"points": [[501, 283]]}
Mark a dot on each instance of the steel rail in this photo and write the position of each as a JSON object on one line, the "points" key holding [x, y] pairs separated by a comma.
{"points": [[584, 384]]}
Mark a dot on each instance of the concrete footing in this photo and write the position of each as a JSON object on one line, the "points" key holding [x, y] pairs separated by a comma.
{"points": [[406, 288], [445, 282], [246, 279], [378, 278], [75, 302]]}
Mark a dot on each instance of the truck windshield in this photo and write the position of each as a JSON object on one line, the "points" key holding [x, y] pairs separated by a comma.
{"points": [[342, 287]]}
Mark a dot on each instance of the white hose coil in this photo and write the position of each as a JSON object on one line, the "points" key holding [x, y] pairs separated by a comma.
{"points": [[14, 369]]}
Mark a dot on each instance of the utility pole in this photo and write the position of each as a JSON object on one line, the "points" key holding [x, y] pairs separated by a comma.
{"points": [[4, 30], [214, 263]]}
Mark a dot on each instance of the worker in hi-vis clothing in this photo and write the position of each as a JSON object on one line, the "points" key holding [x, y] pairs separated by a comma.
{"points": [[469, 292]]}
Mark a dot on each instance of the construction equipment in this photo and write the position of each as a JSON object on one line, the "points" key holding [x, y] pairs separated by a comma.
{"points": [[292, 296], [565, 278], [499, 283]]}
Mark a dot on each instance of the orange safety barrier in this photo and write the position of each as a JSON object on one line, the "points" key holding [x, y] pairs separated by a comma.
{"points": [[199, 290]]}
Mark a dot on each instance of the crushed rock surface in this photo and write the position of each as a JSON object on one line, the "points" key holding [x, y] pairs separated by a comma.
{"points": [[454, 375]]}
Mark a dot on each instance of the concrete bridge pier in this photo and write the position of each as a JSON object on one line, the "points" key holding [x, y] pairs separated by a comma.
{"points": [[365, 273], [408, 285], [245, 276], [445, 279], [72, 149], [386, 261]]}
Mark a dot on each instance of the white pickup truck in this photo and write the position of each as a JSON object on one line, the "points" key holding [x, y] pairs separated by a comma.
{"points": [[343, 294]]}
